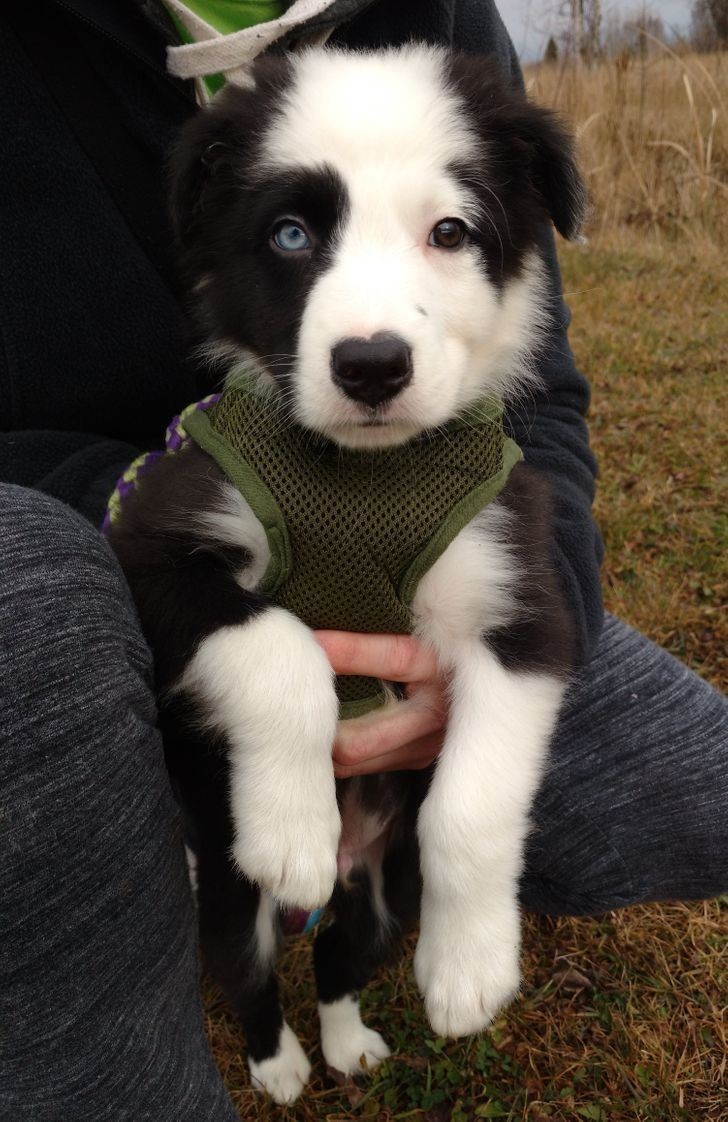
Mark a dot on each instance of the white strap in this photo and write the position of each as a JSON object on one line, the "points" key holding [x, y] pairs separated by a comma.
{"points": [[231, 55]]}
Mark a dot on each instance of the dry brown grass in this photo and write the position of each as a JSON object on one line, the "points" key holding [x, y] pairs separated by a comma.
{"points": [[653, 139], [650, 328], [622, 1019]]}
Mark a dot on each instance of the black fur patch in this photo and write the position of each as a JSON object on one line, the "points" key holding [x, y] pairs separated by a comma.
{"points": [[524, 174], [227, 902], [225, 207], [183, 584], [542, 636], [256, 295]]}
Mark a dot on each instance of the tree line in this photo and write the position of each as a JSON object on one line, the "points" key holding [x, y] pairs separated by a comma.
{"points": [[589, 34]]}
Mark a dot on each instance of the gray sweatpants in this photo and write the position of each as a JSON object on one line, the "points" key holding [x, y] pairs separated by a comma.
{"points": [[99, 1009]]}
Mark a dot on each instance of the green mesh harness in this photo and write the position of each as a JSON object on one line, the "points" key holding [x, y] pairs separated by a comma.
{"points": [[352, 533]]}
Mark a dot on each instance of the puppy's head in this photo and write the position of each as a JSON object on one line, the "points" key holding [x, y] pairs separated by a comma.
{"points": [[364, 227]]}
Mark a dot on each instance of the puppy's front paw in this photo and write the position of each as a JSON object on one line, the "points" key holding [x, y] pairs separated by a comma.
{"points": [[284, 1075], [467, 972], [291, 852]]}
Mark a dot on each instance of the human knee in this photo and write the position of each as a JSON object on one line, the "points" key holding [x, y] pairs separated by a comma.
{"points": [[47, 544], [41, 534], [573, 867], [63, 601]]}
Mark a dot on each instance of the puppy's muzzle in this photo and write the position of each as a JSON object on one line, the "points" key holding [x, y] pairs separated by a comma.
{"points": [[372, 371]]}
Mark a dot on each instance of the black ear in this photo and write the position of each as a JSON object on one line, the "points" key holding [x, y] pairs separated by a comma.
{"points": [[216, 148], [523, 144], [208, 146], [553, 169]]}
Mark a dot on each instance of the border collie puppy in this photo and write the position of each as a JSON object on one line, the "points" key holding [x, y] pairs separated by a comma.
{"points": [[362, 233]]}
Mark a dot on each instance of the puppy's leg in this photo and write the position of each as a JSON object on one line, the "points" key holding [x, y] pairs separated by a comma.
{"points": [[267, 686], [471, 830], [257, 673], [495, 580], [239, 934], [376, 906], [239, 924]]}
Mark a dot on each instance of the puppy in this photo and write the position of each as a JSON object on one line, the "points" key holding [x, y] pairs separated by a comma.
{"points": [[362, 233]]}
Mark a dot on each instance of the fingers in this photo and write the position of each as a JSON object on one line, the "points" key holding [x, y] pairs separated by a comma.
{"points": [[397, 739], [405, 736], [412, 757], [393, 658]]}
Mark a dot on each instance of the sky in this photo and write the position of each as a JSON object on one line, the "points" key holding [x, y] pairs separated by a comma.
{"points": [[530, 22]]}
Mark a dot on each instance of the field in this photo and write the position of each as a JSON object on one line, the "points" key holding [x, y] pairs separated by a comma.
{"points": [[623, 1016]]}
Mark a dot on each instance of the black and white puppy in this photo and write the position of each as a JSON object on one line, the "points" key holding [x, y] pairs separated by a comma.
{"points": [[340, 196]]}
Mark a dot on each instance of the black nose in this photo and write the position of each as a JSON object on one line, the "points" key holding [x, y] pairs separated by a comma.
{"points": [[372, 370]]}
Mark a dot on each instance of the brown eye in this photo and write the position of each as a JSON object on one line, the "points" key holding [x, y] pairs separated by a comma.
{"points": [[448, 234]]}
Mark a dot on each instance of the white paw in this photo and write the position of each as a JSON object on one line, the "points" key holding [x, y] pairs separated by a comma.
{"points": [[269, 688], [284, 1075], [290, 851], [347, 1044], [361, 1051], [467, 972]]}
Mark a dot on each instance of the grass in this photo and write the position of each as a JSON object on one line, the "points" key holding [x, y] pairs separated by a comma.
{"points": [[620, 1020], [650, 328], [623, 1016]]}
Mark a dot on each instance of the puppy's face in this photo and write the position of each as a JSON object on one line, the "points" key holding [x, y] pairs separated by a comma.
{"points": [[365, 228]]}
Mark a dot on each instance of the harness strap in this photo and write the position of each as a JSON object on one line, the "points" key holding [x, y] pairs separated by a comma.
{"points": [[356, 557]]}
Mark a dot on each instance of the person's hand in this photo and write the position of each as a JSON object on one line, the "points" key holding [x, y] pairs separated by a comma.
{"points": [[403, 739]]}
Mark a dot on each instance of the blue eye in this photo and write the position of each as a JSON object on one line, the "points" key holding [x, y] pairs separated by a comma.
{"points": [[291, 237]]}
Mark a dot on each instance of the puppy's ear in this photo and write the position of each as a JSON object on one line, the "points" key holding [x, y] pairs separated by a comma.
{"points": [[523, 144], [216, 148], [552, 167], [207, 147]]}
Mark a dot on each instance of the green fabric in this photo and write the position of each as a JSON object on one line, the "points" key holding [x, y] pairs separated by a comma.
{"points": [[228, 16], [352, 532]]}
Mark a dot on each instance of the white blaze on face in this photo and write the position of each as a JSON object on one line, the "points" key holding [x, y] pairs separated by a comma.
{"points": [[391, 127]]}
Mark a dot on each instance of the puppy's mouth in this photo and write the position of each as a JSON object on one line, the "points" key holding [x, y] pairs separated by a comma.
{"points": [[376, 422], [376, 430], [379, 416], [359, 425]]}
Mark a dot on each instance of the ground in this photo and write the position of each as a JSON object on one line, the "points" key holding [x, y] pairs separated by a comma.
{"points": [[622, 1016]]}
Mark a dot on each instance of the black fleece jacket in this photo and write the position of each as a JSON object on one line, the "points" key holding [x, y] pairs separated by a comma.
{"points": [[94, 336]]}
